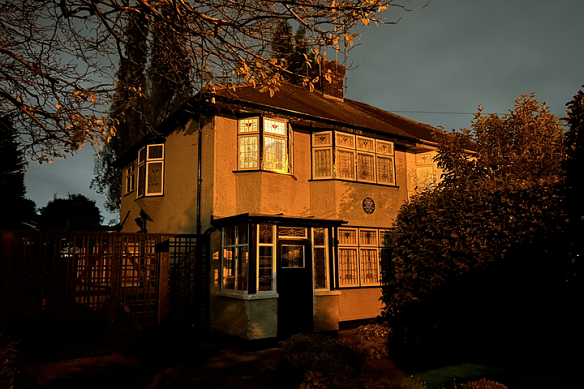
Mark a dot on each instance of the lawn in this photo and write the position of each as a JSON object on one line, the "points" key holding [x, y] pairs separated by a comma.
{"points": [[514, 377]]}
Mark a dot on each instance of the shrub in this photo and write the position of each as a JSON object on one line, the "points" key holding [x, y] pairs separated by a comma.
{"points": [[481, 384], [315, 361], [370, 341], [8, 356]]}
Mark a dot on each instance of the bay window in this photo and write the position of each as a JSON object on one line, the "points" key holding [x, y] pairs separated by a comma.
{"points": [[264, 144], [151, 170], [346, 156]]}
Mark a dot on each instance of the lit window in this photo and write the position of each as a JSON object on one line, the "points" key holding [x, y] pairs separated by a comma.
{"points": [[235, 257], [151, 170], [265, 148], [356, 158]]}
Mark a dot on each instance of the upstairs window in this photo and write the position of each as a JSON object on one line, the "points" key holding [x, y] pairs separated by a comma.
{"points": [[425, 177], [129, 179], [350, 157], [151, 170], [264, 144]]}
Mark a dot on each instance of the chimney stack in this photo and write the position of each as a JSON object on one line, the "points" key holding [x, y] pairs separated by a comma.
{"points": [[334, 88]]}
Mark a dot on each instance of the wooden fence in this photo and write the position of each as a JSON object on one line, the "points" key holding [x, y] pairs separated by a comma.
{"points": [[69, 294]]}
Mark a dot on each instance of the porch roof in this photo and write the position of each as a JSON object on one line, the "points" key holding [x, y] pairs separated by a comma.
{"points": [[279, 219]]}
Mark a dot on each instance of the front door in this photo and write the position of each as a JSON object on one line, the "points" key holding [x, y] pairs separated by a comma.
{"points": [[294, 271]]}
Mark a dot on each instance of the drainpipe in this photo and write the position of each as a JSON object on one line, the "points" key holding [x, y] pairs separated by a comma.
{"points": [[199, 177]]}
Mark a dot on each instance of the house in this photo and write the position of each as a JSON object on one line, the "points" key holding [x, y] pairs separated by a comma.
{"points": [[298, 192]]}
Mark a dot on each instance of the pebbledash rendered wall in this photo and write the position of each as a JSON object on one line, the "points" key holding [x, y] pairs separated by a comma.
{"points": [[228, 192]]}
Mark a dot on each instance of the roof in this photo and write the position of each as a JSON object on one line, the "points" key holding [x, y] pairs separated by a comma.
{"points": [[300, 106], [297, 101]]}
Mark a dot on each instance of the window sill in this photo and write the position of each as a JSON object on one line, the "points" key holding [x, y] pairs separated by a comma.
{"points": [[323, 292], [361, 287], [354, 182], [265, 171], [245, 296]]}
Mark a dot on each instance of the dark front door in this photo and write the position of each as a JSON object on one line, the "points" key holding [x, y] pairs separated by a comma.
{"points": [[294, 280]]}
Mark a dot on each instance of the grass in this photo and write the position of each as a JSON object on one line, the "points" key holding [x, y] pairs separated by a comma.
{"points": [[512, 376]]}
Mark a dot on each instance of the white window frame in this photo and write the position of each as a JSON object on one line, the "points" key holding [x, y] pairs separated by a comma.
{"points": [[352, 149], [145, 163], [261, 135], [130, 178], [273, 245], [320, 144], [255, 134], [359, 247], [277, 136], [324, 247], [236, 245]]}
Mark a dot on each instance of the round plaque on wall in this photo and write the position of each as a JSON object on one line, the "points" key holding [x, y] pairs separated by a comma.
{"points": [[368, 205]]}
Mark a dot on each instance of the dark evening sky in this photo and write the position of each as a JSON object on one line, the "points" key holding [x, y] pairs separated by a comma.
{"points": [[436, 65]]}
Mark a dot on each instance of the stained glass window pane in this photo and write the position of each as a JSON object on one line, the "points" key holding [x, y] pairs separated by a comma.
{"points": [[345, 166], [275, 154], [320, 268], [248, 152], [154, 178], [322, 163], [345, 140], [347, 237], [266, 234], [292, 256], [266, 267], [320, 236], [365, 144], [348, 267], [384, 148], [274, 127], [248, 125], [369, 266], [292, 232], [368, 237], [385, 171], [322, 139], [365, 167]]}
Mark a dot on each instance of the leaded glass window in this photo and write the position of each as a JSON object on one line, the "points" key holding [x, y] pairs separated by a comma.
{"points": [[348, 270], [275, 154], [352, 157], [365, 167], [320, 258], [266, 248], [345, 164], [323, 163], [385, 170], [358, 256], [248, 152]]}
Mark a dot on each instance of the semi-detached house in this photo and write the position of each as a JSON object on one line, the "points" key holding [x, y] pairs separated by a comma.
{"points": [[298, 191]]}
